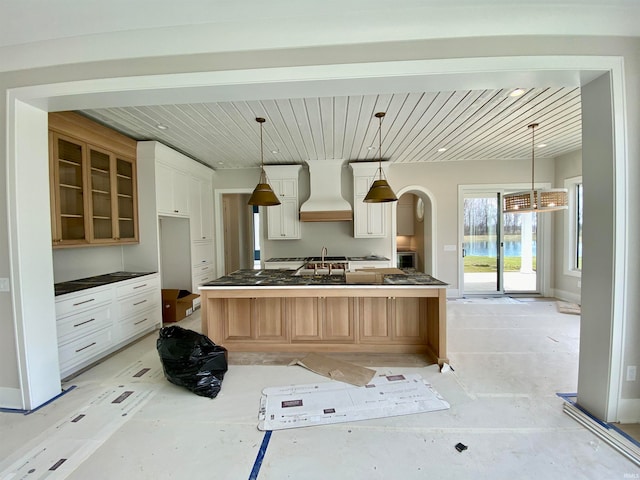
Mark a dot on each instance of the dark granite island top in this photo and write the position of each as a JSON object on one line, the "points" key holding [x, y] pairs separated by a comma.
{"points": [[285, 278], [277, 311]]}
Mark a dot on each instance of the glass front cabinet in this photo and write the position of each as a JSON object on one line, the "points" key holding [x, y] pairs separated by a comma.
{"points": [[93, 193]]}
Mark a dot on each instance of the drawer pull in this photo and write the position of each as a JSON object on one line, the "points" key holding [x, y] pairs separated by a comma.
{"points": [[140, 286], [85, 301], [84, 348], [82, 323], [140, 321], [140, 303]]}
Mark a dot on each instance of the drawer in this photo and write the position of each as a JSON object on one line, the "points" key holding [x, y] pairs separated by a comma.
{"points": [[203, 270], [201, 253], [138, 303], [78, 302], [132, 287], [84, 348], [83, 323], [139, 323]]}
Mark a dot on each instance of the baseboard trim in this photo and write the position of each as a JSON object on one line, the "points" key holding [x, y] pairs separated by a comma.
{"points": [[10, 398], [566, 296], [629, 410]]}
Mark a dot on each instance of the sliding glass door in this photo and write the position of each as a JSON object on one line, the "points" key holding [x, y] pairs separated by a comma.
{"points": [[499, 251], [481, 254]]}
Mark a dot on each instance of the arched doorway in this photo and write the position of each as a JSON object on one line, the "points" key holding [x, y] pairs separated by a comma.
{"points": [[414, 227]]}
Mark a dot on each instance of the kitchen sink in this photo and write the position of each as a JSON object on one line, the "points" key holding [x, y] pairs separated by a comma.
{"points": [[319, 268]]}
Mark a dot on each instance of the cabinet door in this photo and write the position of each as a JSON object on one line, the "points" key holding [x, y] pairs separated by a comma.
{"points": [[282, 220], [409, 320], [337, 319], [69, 180], [374, 320], [180, 193], [206, 198], [126, 187], [172, 191], [101, 198]]}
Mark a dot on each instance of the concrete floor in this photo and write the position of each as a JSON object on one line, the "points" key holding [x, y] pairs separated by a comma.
{"points": [[510, 360]]}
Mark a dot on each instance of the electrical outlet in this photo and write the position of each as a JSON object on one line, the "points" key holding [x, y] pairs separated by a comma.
{"points": [[4, 284], [631, 373]]}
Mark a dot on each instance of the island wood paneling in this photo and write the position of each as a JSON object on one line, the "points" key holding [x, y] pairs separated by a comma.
{"points": [[393, 319]]}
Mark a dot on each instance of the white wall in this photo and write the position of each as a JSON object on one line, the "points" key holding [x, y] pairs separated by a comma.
{"points": [[565, 286]]}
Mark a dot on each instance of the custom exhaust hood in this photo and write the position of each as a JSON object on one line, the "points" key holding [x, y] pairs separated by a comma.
{"points": [[325, 203]]}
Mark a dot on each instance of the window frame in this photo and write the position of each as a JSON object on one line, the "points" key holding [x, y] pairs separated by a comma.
{"points": [[571, 226]]}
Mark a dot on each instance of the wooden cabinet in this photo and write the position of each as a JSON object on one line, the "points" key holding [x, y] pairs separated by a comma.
{"points": [[355, 318], [321, 319], [172, 191], [93, 183], [254, 319], [369, 219], [283, 221], [392, 320]]}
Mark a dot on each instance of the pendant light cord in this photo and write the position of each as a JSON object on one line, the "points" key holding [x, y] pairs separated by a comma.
{"points": [[533, 139]]}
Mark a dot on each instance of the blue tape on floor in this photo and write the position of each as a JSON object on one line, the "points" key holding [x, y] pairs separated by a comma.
{"points": [[29, 412], [261, 453]]}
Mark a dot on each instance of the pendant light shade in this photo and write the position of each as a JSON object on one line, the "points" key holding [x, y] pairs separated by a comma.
{"points": [[540, 200], [380, 190], [263, 195]]}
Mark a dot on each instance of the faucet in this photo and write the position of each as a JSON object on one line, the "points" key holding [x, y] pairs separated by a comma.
{"points": [[323, 254]]}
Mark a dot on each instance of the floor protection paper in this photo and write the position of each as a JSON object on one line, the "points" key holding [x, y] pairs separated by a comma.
{"points": [[296, 406]]}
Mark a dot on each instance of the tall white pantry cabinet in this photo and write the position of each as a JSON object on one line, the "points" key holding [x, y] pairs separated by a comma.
{"points": [[184, 203]]}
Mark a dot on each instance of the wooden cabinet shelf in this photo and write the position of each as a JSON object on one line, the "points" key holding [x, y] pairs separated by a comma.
{"points": [[93, 178]]}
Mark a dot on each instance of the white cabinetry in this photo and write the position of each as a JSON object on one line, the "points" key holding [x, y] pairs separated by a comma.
{"points": [[357, 264], [369, 219], [201, 209], [172, 190], [283, 221], [94, 322]]}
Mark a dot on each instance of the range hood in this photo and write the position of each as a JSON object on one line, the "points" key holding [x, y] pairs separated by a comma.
{"points": [[325, 203]]}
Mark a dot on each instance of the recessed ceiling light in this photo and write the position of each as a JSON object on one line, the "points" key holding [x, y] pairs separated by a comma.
{"points": [[275, 151], [162, 126], [442, 149], [372, 147], [517, 92], [541, 145], [220, 163]]}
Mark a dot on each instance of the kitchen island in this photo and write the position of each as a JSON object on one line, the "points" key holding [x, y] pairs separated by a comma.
{"points": [[277, 311]]}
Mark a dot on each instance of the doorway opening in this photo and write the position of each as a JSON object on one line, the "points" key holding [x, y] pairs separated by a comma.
{"points": [[239, 238]]}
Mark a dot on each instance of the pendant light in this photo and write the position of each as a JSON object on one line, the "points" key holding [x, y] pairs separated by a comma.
{"points": [[263, 194], [547, 200], [380, 190]]}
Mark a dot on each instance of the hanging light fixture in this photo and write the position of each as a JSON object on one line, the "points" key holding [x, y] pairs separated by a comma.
{"points": [[533, 200], [263, 194], [380, 190]]}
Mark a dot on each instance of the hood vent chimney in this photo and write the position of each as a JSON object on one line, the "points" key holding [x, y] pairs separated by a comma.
{"points": [[325, 203]]}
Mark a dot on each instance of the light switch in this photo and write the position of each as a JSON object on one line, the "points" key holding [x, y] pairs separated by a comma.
{"points": [[4, 284]]}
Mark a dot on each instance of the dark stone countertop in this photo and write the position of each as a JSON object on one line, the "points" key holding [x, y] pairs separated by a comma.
{"points": [[72, 286], [367, 258], [284, 278]]}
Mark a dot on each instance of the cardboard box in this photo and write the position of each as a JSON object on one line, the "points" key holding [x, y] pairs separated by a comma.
{"points": [[176, 304]]}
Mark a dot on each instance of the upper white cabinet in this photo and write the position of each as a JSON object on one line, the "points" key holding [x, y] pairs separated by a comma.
{"points": [[369, 219], [283, 221], [172, 190], [201, 209]]}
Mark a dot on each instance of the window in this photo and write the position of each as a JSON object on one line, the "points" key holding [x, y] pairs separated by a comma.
{"points": [[573, 227]]}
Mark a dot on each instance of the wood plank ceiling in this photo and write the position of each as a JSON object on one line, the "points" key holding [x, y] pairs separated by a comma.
{"points": [[418, 127]]}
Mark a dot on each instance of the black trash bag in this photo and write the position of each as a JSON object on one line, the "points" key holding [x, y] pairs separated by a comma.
{"points": [[192, 360]]}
